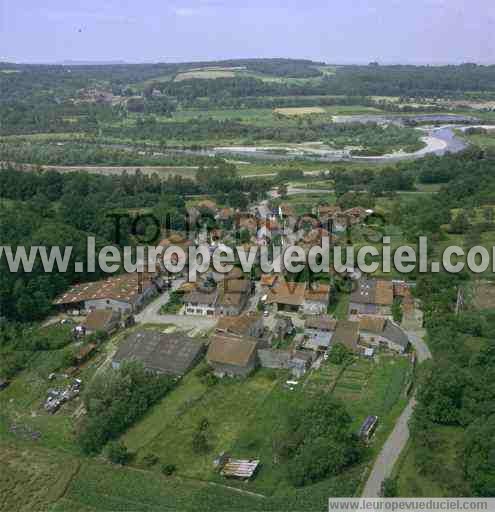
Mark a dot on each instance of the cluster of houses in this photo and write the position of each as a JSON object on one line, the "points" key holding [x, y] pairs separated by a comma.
{"points": [[241, 343]]}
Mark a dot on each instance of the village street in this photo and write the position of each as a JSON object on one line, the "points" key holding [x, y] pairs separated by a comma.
{"points": [[151, 313], [397, 440]]}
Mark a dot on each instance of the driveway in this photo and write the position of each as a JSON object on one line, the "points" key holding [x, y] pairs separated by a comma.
{"points": [[151, 314], [397, 440]]}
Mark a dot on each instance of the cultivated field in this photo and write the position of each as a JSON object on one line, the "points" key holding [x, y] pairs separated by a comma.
{"points": [[299, 111], [32, 481]]}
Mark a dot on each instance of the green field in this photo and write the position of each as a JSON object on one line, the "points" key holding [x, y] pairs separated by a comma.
{"points": [[241, 413], [36, 479], [168, 429]]}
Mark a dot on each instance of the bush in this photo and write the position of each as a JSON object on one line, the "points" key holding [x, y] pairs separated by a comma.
{"points": [[150, 460], [169, 469], [340, 354], [397, 312], [207, 377], [204, 424], [101, 336], [69, 357], [174, 303], [200, 443], [389, 488], [115, 400], [117, 453]]}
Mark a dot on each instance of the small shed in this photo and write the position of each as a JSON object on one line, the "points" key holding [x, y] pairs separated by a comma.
{"points": [[105, 320], [243, 469]]}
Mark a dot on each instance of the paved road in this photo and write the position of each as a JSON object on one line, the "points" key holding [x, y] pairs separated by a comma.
{"points": [[422, 350], [397, 440]]}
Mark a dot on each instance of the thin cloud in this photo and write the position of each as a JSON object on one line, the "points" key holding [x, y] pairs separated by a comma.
{"points": [[186, 11]]}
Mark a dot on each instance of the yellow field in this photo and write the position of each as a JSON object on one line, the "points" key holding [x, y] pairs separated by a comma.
{"points": [[299, 111], [205, 74]]}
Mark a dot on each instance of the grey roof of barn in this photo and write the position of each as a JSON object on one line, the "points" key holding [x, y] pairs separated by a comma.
{"points": [[202, 297], [272, 358], [395, 334], [173, 354]]}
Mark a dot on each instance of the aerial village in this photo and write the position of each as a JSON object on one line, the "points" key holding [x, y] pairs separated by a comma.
{"points": [[233, 325]]}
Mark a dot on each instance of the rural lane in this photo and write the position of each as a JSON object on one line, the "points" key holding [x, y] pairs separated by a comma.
{"points": [[397, 440]]}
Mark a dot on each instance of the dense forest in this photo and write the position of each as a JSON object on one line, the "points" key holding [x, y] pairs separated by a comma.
{"points": [[85, 153], [38, 81], [35, 82], [51, 208], [457, 389]]}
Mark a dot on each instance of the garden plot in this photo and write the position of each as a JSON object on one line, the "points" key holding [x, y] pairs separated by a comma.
{"points": [[354, 380], [323, 380]]}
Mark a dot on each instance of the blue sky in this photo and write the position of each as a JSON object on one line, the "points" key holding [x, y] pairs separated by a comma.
{"points": [[335, 31]]}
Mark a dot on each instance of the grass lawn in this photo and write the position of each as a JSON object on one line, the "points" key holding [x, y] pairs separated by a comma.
{"points": [[47, 137], [167, 431], [256, 167], [428, 187], [104, 487], [241, 416], [258, 116], [21, 403], [341, 307]]}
